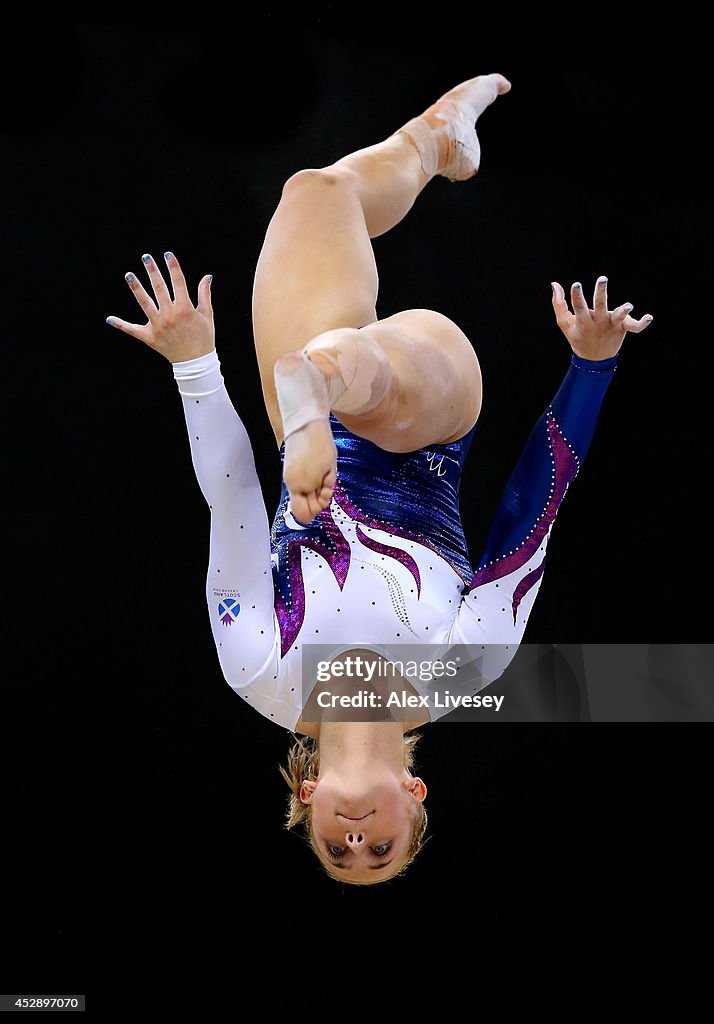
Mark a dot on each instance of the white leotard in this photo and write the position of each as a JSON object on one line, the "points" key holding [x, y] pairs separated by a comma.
{"points": [[355, 578]]}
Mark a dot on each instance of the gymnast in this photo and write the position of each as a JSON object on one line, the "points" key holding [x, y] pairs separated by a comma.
{"points": [[373, 419]]}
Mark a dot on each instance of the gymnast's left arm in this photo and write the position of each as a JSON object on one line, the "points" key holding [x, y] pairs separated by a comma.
{"points": [[495, 609]]}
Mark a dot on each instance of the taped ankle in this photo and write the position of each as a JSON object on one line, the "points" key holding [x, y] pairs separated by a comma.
{"points": [[423, 138], [362, 371], [465, 152], [457, 126], [301, 391]]}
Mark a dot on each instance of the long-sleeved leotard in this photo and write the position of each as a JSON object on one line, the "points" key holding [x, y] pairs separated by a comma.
{"points": [[386, 563]]}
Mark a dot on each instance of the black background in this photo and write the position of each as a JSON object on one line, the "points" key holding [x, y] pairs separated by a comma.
{"points": [[143, 805]]}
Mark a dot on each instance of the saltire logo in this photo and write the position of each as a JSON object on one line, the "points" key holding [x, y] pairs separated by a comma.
{"points": [[228, 610]]}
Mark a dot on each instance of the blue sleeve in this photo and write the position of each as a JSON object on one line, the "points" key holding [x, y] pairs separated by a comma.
{"points": [[550, 461], [493, 613]]}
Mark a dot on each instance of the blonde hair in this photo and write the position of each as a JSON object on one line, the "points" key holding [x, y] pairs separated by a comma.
{"points": [[303, 765]]}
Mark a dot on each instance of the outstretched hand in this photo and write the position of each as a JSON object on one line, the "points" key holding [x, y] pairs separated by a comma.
{"points": [[177, 329], [595, 333]]}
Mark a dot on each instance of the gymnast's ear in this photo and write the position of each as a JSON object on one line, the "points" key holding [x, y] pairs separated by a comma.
{"points": [[416, 788], [307, 790]]}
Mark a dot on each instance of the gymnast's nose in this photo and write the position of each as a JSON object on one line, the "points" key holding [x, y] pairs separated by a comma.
{"points": [[355, 841]]}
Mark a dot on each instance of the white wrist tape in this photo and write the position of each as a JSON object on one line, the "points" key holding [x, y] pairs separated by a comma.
{"points": [[301, 390], [199, 377]]}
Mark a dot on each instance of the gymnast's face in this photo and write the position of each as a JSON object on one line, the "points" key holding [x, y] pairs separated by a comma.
{"points": [[362, 827]]}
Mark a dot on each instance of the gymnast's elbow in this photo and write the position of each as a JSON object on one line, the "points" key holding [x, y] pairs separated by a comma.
{"points": [[248, 666]]}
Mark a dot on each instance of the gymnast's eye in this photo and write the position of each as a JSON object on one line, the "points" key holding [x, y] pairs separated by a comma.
{"points": [[334, 852], [382, 849]]}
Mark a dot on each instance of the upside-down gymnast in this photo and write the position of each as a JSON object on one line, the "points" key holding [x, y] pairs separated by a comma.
{"points": [[367, 550]]}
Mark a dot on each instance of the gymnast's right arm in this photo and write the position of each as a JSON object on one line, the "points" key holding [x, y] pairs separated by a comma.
{"points": [[239, 584]]}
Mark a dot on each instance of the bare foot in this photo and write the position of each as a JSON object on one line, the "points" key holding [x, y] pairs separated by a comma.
{"points": [[310, 469], [453, 119]]}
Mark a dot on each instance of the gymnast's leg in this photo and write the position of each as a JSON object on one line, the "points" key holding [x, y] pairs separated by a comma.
{"points": [[317, 275]]}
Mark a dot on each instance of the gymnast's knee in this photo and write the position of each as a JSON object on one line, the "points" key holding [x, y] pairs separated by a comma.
{"points": [[317, 179]]}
